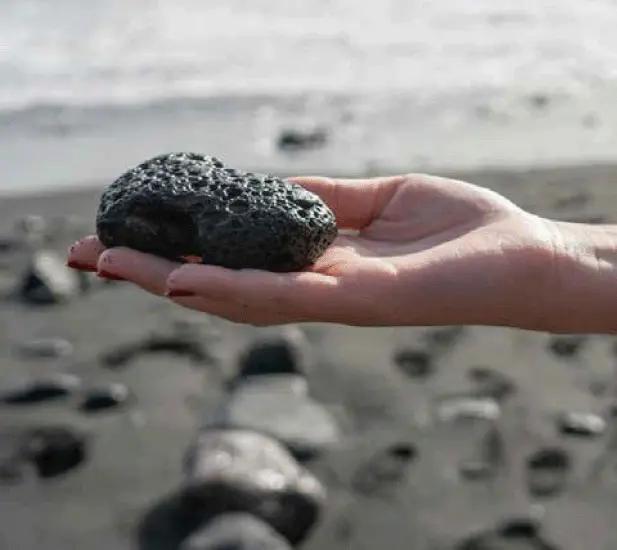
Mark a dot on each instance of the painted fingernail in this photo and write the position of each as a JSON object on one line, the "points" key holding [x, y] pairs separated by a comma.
{"points": [[80, 267], [110, 276], [179, 293]]}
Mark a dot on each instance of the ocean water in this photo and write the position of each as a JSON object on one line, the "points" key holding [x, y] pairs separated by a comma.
{"points": [[71, 67]]}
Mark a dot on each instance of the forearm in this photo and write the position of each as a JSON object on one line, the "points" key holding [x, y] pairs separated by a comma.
{"points": [[584, 299]]}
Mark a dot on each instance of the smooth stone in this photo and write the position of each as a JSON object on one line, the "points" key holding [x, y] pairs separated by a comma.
{"points": [[285, 353], [37, 391], [279, 405], [297, 139], [461, 407], [567, 346], [492, 383], [581, 424], [236, 531], [488, 459], [47, 280], [111, 396], [247, 471], [46, 348], [54, 450]]}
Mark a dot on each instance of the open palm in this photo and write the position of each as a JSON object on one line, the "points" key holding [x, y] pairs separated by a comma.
{"points": [[417, 250]]}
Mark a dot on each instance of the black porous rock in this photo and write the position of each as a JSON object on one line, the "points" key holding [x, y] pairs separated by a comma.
{"points": [[181, 205], [233, 531], [54, 450], [38, 391], [103, 398], [245, 471]]}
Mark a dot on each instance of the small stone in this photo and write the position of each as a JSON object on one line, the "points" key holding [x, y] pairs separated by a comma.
{"points": [[444, 338], [250, 472], [46, 348], [492, 383], [281, 354], [567, 346], [466, 407], [183, 345], [54, 450], [302, 139], [519, 528], [415, 363], [547, 472], [236, 531], [581, 424], [489, 458], [45, 389], [280, 406], [111, 396], [47, 280]]}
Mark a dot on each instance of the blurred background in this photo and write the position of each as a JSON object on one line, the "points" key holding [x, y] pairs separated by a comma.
{"points": [[420, 436], [89, 88]]}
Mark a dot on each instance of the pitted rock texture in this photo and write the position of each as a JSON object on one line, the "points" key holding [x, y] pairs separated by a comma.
{"points": [[186, 204]]}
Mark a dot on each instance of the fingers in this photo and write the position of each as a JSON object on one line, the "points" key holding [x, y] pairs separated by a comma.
{"points": [[145, 270], [355, 202], [84, 254], [291, 297]]}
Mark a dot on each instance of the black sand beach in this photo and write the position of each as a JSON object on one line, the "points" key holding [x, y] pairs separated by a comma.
{"points": [[123, 495]]}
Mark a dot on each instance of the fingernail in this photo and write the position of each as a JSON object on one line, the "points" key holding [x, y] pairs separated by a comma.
{"points": [[179, 293], [110, 276], [80, 267]]}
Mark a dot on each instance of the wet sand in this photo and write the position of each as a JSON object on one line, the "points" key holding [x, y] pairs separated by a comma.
{"points": [[120, 497]]}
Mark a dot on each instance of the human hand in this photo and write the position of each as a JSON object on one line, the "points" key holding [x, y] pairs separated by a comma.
{"points": [[424, 251]]}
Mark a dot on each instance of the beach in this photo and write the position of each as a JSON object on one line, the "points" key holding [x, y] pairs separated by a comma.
{"points": [[117, 498], [519, 99]]}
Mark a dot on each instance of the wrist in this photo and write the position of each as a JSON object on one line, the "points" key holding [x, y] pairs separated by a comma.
{"points": [[584, 296]]}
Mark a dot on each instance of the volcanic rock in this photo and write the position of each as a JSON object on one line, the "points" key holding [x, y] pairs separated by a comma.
{"points": [[180, 205]]}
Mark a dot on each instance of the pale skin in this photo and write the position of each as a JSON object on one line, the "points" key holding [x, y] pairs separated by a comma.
{"points": [[425, 251]]}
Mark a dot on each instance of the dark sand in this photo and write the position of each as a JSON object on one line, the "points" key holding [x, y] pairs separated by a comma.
{"points": [[120, 498]]}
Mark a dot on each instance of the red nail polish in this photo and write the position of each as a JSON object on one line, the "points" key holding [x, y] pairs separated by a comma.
{"points": [[179, 293], [80, 267], [110, 276]]}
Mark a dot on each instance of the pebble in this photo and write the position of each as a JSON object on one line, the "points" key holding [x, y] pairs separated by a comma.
{"points": [[547, 472], [414, 363], [468, 407], [488, 459], [567, 346], [54, 450], [47, 280], [279, 405], [236, 531], [45, 348], [492, 383], [444, 338], [111, 396], [45, 389], [283, 354], [251, 472], [581, 424]]}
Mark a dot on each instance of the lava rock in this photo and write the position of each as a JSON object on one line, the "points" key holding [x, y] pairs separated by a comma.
{"points": [[54, 450], [236, 531], [46, 348], [547, 472], [581, 424], [111, 396], [180, 205], [38, 391], [279, 405], [47, 280], [246, 471]]}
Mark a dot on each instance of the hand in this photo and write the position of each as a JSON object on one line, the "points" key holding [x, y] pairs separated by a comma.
{"points": [[424, 251]]}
